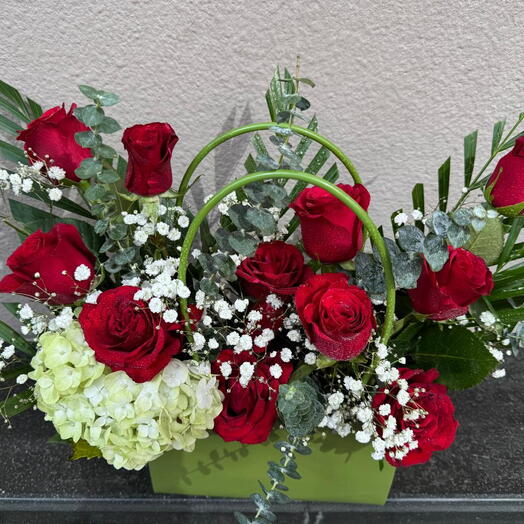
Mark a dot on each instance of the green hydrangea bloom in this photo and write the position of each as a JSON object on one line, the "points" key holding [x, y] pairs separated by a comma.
{"points": [[130, 423]]}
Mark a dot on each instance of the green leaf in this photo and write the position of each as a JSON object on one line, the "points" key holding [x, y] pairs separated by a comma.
{"points": [[263, 220], [89, 167], [242, 244], [9, 126], [417, 196], [406, 269], [87, 139], [498, 129], [410, 239], [108, 176], [458, 235], [82, 449], [306, 81], [12, 153], [435, 251], [96, 192], [27, 106], [34, 219], [459, 354], [443, 184], [104, 98], [10, 336], [104, 151], [90, 115], [512, 237], [108, 125], [305, 142], [12, 307], [510, 143], [11, 108], [510, 316], [18, 403], [241, 518], [64, 203], [488, 242], [470, 150]]}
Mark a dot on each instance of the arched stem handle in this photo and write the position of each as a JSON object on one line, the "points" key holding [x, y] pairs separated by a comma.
{"points": [[261, 126], [370, 226]]}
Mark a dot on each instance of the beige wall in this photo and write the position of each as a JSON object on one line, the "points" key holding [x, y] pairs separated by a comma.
{"points": [[399, 83]]}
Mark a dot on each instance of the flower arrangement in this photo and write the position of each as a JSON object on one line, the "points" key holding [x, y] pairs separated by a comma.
{"points": [[278, 303]]}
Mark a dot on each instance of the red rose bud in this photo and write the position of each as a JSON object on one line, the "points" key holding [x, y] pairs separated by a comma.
{"points": [[249, 411], [126, 336], [149, 147], [276, 267], [45, 266], [51, 139], [448, 293], [426, 411], [331, 232], [505, 188], [337, 317]]}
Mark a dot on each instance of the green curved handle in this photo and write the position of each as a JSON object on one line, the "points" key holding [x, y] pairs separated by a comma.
{"points": [[184, 183], [374, 233]]}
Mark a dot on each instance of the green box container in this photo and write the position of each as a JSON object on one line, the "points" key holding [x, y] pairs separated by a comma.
{"points": [[338, 470]]}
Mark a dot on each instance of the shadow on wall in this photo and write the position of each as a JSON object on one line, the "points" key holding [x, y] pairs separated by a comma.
{"points": [[227, 157]]}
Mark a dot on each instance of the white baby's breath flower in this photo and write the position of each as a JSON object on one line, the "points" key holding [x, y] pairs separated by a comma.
{"points": [[488, 318], [93, 297], [82, 272], [183, 222], [276, 371], [54, 194], [55, 173], [401, 219], [226, 369], [155, 305], [21, 379], [417, 214], [170, 316], [310, 358]]}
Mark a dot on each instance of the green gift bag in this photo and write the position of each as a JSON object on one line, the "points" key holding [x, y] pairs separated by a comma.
{"points": [[338, 470]]}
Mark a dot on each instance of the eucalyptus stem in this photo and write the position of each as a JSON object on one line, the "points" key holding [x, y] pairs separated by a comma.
{"points": [[370, 226], [261, 126]]}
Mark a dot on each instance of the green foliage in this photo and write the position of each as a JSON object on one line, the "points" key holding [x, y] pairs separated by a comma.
{"points": [[33, 219], [10, 336], [443, 184], [300, 407], [277, 473], [470, 150], [82, 449], [20, 106], [459, 354], [17, 403], [488, 242]]}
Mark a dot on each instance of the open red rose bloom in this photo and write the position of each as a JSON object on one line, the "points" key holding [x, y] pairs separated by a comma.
{"points": [[275, 303]]}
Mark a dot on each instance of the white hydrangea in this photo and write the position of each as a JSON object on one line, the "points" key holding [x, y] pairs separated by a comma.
{"points": [[130, 423]]}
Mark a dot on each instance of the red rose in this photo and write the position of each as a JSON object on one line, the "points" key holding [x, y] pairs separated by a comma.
{"points": [[435, 426], [43, 267], [331, 232], [276, 267], [149, 147], [448, 293], [53, 134], [506, 185], [126, 336], [249, 412], [337, 318]]}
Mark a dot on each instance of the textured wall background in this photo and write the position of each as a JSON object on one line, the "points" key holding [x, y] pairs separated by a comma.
{"points": [[399, 83]]}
